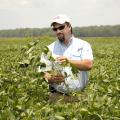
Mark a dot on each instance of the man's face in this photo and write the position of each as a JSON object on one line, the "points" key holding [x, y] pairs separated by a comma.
{"points": [[61, 31]]}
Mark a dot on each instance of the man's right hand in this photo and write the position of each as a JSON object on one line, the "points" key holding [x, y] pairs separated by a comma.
{"points": [[54, 79]]}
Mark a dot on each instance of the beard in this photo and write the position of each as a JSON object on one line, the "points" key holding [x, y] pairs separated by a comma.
{"points": [[61, 37]]}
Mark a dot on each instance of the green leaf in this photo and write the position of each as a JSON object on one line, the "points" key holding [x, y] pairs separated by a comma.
{"points": [[96, 117], [46, 50], [58, 117], [30, 50], [23, 64], [33, 43], [74, 69]]}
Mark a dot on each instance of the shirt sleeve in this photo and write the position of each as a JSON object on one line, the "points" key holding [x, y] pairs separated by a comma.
{"points": [[87, 52]]}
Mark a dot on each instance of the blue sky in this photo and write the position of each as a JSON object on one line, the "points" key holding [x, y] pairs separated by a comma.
{"points": [[39, 13]]}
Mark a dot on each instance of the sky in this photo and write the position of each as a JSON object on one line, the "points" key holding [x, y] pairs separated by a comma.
{"points": [[39, 13]]}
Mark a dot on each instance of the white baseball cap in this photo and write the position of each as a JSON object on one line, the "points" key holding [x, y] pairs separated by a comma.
{"points": [[60, 19]]}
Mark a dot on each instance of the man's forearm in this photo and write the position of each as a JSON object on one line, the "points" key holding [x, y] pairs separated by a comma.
{"points": [[82, 64]]}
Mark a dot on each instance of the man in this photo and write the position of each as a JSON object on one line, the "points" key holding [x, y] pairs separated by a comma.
{"points": [[74, 50]]}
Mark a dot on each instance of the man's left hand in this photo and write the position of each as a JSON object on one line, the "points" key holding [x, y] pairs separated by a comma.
{"points": [[61, 59]]}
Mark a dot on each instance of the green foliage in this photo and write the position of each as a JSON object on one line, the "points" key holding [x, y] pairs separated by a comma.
{"points": [[24, 93]]}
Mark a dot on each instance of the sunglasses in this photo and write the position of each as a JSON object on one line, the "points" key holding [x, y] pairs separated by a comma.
{"points": [[59, 28]]}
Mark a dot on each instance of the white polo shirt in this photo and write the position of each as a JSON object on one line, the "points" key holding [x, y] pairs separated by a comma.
{"points": [[77, 49]]}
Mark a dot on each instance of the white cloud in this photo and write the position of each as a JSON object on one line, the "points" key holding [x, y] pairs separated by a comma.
{"points": [[10, 4], [24, 2]]}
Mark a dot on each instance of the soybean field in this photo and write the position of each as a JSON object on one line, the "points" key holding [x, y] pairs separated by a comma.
{"points": [[24, 93]]}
